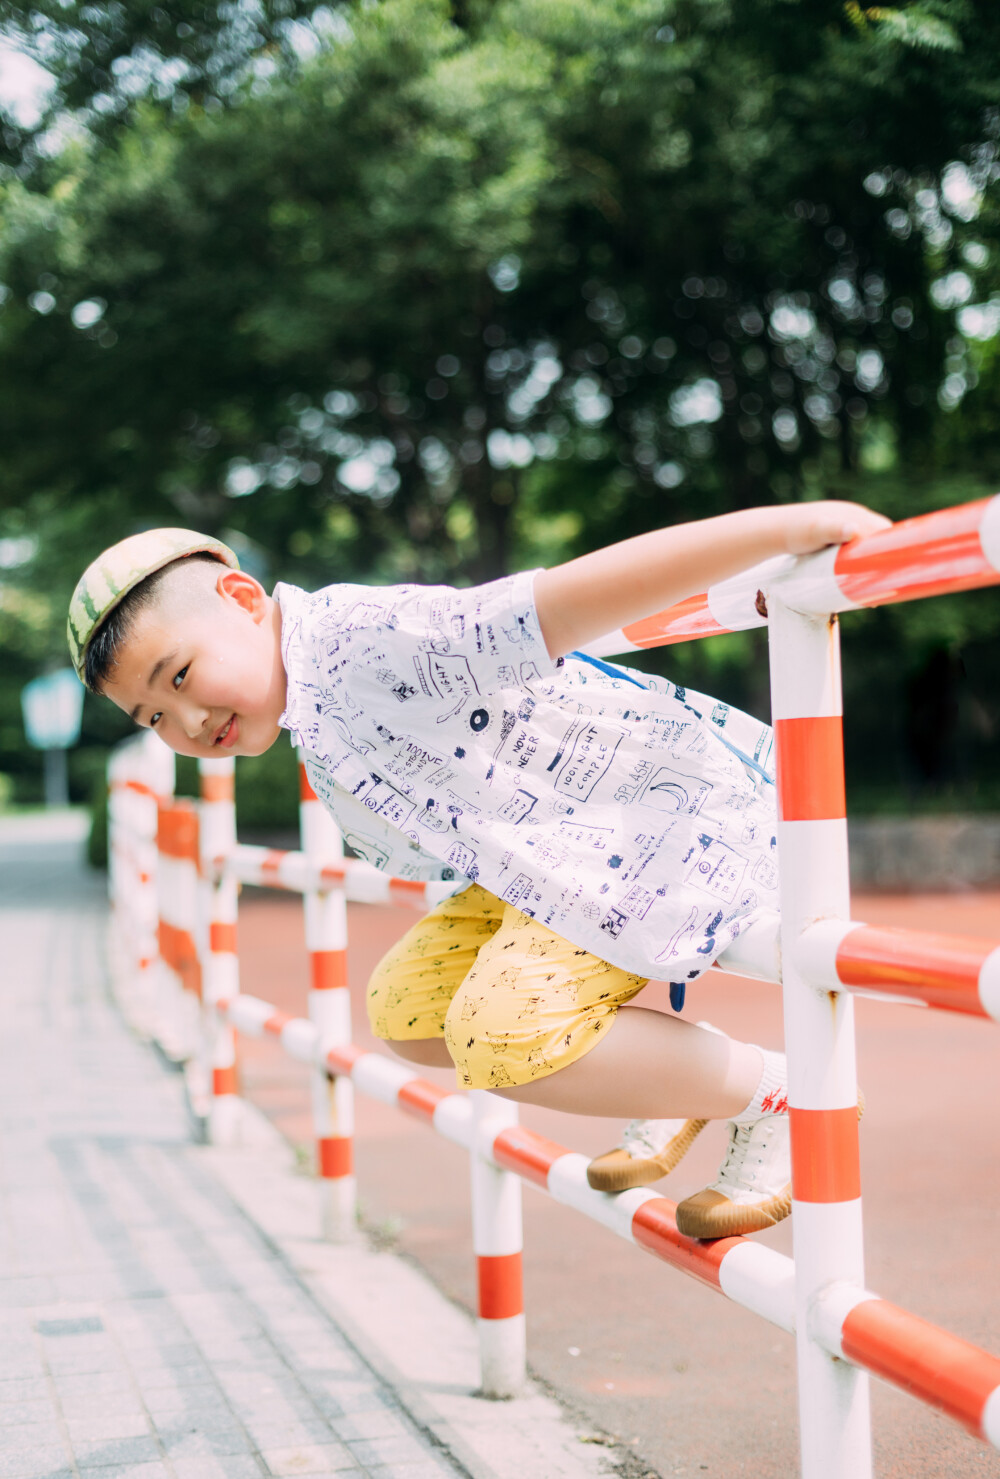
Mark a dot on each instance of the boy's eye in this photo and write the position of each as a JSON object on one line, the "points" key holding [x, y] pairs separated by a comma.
{"points": [[154, 718], [179, 677]]}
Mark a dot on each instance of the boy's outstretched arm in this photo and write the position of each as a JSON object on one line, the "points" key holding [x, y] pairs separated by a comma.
{"points": [[609, 589]]}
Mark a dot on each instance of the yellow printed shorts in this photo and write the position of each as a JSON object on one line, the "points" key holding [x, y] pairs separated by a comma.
{"points": [[513, 1000]]}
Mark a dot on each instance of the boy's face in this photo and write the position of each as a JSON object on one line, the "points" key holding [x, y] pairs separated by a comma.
{"points": [[206, 675]]}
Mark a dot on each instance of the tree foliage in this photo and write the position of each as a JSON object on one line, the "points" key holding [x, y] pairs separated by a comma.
{"points": [[418, 290]]}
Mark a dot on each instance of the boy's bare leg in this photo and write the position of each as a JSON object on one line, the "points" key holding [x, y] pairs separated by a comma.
{"points": [[650, 1066], [655, 1067]]}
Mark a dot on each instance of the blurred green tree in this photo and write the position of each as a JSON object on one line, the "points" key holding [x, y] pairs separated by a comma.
{"points": [[419, 290]]}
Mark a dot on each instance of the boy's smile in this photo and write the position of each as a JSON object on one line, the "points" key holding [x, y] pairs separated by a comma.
{"points": [[207, 677]]}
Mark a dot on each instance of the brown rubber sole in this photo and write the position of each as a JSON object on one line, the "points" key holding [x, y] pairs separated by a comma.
{"points": [[616, 1170], [709, 1214]]}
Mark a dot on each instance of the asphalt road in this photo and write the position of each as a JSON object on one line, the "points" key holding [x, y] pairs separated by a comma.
{"points": [[693, 1384]]}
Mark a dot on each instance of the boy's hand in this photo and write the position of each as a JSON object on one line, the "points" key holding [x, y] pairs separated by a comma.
{"points": [[812, 526], [605, 591]]}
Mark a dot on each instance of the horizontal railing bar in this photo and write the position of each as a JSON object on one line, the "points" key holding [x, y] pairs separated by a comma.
{"points": [[290, 870], [953, 973], [930, 1363], [941, 1369], [950, 550]]}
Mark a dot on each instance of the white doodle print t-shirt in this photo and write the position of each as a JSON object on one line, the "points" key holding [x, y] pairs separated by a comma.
{"points": [[633, 817]]}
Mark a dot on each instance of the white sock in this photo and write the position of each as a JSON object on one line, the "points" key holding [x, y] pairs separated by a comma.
{"points": [[771, 1095]]}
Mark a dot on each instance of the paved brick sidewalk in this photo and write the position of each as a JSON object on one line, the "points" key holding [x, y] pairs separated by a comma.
{"points": [[147, 1329]]}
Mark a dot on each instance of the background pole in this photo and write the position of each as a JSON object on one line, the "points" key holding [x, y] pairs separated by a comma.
{"points": [[217, 835], [56, 777], [498, 1240], [330, 1009]]}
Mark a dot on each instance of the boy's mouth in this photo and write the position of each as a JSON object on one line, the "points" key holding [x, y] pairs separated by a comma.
{"points": [[227, 734]]}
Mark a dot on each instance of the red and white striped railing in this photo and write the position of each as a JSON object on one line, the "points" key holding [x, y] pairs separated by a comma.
{"points": [[954, 549], [137, 777], [822, 959], [845, 1319], [300, 873], [956, 973]]}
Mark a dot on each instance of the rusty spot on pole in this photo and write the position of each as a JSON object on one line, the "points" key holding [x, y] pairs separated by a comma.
{"points": [[761, 604]]}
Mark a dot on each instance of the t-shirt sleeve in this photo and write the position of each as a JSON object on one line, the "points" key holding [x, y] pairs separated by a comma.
{"points": [[451, 645]]}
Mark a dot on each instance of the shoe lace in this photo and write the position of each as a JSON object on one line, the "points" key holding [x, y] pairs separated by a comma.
{"points": [[744, 1154]]}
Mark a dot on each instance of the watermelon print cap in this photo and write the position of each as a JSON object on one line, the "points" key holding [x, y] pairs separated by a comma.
{"points": [[114, 573]]}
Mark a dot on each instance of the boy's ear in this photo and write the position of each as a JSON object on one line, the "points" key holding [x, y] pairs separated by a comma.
{"points": [[248, 594]]}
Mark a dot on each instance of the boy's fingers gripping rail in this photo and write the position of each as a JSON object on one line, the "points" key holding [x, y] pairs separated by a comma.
{"points": [[953, 549]]}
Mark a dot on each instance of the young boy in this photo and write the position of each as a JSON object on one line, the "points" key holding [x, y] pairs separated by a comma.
{"points": [[601, 828]]}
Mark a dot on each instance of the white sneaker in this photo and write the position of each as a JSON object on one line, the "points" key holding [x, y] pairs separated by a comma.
{"points": [[753, 1189], [649, 1149]]}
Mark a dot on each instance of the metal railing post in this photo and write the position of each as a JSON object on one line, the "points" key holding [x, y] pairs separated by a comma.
{"points": [[140, 773], [497, 1240], [221, 975], [178, 928], [806, 708], [330, 1009]]}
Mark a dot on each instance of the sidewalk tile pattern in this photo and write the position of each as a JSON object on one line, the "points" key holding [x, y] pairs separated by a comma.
{"points": [[147, 1330]]}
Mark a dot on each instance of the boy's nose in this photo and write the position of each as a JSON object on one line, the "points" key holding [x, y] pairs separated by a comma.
{"points": [[194, 721]]}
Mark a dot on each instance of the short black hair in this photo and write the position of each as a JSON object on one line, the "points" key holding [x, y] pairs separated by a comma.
{"points": [[105, 646]]}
